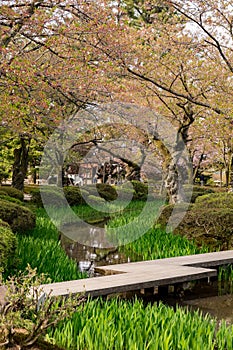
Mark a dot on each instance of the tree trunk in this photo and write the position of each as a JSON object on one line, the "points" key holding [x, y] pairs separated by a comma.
{"points": [[227, 172], [20, 165], [197, 167], [176, 167], [174, 172], [231, 173], [172, 182]]}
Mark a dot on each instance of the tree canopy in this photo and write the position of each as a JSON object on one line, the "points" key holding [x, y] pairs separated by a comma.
{"points": [[58, 58]]}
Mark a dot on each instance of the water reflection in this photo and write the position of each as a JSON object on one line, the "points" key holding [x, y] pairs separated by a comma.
{"points": [[88, 257], [220, 307], [213, 298], [89, 235]]}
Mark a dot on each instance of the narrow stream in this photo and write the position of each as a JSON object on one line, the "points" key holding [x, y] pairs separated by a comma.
{"points": [[88, 258]]}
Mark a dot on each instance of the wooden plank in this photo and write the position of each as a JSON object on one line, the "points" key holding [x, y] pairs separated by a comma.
{"points": [[151, 277], [144, 274], [199, 260]]}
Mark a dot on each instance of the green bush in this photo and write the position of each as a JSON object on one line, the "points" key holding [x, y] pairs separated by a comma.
{"points": [[167, 210], [137, 190], [7, 245], [36, 197], [74, 195], [18, 217], [140, 190], [10, 199], [53, 195], [208, 221], [105, 191], [196, 191], [200, 189], [212, 226], [95, 199], [216, 200], [29, 188], [193, 195], [12, 192], [124, 193], [2, 193]]}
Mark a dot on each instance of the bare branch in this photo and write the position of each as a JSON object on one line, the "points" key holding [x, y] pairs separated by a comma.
{"points": [[173, 92]]}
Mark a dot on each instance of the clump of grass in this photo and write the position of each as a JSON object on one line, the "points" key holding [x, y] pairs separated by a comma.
{"points": [[151, 243], [225, 279], [158, 244], [48, 257], [133, 222], [119, 324], [155, 243], [41, 249]]}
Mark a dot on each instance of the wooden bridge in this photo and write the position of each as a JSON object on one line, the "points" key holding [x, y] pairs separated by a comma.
{"points": [[145, 274]]}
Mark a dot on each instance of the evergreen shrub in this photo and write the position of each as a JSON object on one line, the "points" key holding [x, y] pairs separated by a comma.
{"points": [[140, 190], [209, 220], [18, 217], [95, 199], [12, 192], [53, 194], [216, 200], [7, 245], [74, 195], [10, 199], [196, 191], [105, 191]]}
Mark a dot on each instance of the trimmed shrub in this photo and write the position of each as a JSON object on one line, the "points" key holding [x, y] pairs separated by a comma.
{"points": [[167, 210], [29, 188], [124, 193], [200, 189], [95, 199], [7, 245], [194, 195], [137, 191], [54, 195], [216, 200], [2, 193], [12, 192], [209, 220], [18, 217], [212, 226], [197, 191], [105, 191], [140, 190], [10, 199], [36, 198], [74, 195]]}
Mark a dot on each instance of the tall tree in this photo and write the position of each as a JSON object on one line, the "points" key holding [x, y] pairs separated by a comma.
{"points": [[58, 57], [173, 60], [47, 72]]}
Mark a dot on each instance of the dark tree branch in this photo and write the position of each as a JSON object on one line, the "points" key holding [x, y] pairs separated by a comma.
{"points": [[173, 92], [215, 42]]}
